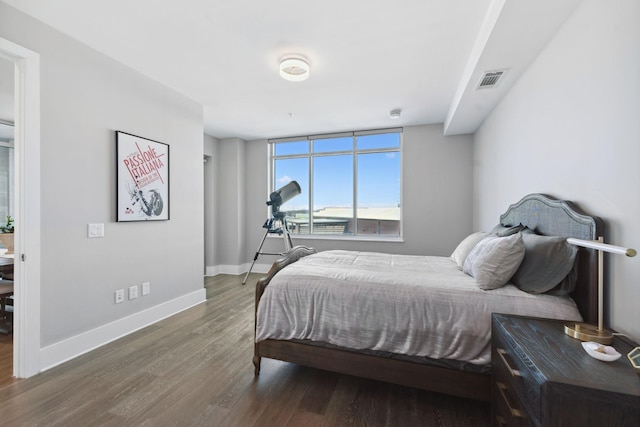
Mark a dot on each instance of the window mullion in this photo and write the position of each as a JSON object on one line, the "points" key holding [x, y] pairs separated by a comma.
{"points": [[355, 186], [311, 186]]}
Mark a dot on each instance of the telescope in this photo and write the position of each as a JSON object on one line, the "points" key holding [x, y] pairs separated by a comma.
{"points": [[277, 224], [283, 195]]}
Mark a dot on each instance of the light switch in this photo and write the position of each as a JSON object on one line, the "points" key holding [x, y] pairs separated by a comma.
{"points": [[96, 230], [133, 292]]}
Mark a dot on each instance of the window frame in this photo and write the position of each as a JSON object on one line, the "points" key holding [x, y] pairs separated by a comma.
{"points": [[310, 155]]}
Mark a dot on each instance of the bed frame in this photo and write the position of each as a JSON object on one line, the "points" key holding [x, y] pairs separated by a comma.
{"points": [[539, 212]]}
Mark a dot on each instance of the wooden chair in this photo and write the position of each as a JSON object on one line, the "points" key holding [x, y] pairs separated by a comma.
{"points": [[6, 306]]}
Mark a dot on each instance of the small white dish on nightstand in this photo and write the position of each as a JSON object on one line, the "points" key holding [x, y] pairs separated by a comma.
{"points": [[599, 351]]}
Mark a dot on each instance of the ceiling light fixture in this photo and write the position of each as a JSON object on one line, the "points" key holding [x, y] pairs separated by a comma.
{"points": [[395, 114], [294, 68]]}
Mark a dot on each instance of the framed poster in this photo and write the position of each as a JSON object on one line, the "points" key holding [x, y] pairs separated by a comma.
{"points": [[142, 178]]}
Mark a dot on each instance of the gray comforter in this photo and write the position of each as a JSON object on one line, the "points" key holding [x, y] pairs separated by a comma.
{"points": [[412, 305]]}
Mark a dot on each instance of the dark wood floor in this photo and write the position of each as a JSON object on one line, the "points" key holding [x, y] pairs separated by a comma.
{"points": [[194, 369], [6, 359]]}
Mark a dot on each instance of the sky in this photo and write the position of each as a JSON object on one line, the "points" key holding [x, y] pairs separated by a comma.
{"points": [[378, 176]]}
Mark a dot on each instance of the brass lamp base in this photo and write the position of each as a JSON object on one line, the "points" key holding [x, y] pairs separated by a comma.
{"points": [[588, 332]]}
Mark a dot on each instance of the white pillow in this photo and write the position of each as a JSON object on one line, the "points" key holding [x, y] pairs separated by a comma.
{"points": [[460, 253], [494, 260]]}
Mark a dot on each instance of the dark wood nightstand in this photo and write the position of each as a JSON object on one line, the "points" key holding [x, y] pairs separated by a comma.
{"points": [[543, 377]]}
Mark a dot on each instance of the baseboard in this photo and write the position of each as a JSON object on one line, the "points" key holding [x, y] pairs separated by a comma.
{"points": [[73, 347], [236, 269]]}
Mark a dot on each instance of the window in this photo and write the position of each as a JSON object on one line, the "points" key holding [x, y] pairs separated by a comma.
{"points": [[6, 170], [350, 182]]}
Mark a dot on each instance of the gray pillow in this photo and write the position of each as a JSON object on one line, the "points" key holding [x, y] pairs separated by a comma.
{"points": [[494, 259], [547, 261], [506, 230], [460, 253], [568, 284]]}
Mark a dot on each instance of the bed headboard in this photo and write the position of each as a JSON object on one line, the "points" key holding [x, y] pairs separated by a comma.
{"points": [[551, 217]]}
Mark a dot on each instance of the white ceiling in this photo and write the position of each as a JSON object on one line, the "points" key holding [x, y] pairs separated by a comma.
{"points": [[367, 56]]}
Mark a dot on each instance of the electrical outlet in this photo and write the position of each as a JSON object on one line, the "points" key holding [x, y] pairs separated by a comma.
{"points": [[146, 288], [133, 292], [119, 296]]}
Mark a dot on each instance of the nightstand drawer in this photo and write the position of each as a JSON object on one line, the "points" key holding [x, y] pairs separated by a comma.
{"points": [[508, 410], [512, 371], [506, 394]]}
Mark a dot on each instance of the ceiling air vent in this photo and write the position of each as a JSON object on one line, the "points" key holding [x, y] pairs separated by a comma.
{"points": [[490, 79]]}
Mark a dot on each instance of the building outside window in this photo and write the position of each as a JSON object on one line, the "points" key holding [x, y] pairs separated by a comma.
{"points": [[351, 183]]}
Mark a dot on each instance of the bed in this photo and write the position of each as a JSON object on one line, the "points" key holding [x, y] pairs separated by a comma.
{"points": [[365, 314]]}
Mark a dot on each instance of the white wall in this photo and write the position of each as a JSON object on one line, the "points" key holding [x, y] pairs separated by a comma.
{"points": [[6, 90], [210, 194], [570, 128], [230, 204], [437, 198], [85, 98]]}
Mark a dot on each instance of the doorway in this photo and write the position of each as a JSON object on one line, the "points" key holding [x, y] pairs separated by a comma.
{"points": [[26, 173], [7, 110]]}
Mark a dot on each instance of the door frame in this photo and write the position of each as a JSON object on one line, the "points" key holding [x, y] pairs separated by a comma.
{"points": [[26, 330]]}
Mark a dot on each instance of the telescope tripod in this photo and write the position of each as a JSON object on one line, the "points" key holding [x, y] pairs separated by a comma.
{"points": [[271, 225]]}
